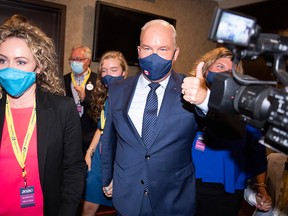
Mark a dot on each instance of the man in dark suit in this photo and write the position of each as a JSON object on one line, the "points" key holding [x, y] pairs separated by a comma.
{"points": [[79, 84], [154, 178]]}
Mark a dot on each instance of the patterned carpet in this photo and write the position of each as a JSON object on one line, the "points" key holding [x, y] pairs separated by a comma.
{"points": [[102, 211], [106, 211], [246, 210]]}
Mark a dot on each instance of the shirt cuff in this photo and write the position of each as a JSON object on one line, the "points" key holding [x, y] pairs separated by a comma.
{"points": [[204, 106], [250, 196]]}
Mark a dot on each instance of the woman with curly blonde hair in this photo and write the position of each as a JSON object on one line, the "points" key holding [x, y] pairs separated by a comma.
{"points": [[42, 49], [41, 162], [112, 67]]}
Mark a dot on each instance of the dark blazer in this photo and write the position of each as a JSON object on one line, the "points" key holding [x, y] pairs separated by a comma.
{"points": [[60, 159], [167, 164], [89, 126]]}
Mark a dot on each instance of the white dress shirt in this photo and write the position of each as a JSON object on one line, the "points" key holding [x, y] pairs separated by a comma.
{"points": [[137, 106]]}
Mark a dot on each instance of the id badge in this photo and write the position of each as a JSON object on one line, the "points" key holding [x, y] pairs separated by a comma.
{"points": [[27, 197], [200, 145], [80, 109]]}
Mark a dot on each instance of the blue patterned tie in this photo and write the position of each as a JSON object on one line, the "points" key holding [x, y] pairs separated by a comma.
{"points": [[149, 120], [150, 114]]}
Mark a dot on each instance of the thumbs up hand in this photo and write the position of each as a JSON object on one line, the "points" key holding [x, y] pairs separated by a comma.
{"points": [[194, 89]]}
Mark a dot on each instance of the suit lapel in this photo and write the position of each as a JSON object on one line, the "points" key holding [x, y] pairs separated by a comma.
{"points": [[2, 113], [67, 82], [171, 95], [130, 89], [43, 131]]}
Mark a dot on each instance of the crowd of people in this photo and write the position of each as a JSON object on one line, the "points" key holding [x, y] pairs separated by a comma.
{"points": [[145, 145]]}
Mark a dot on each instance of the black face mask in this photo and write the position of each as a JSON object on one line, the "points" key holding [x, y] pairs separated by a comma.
{"points": [[154, 67], [108, 79], [210, 77]]}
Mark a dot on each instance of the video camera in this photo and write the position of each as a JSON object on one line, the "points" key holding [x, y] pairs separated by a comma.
{"points": [[262, 104]]}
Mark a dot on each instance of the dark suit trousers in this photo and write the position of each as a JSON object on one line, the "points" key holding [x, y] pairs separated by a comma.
{"points": [[212, 199], [146, 209]]}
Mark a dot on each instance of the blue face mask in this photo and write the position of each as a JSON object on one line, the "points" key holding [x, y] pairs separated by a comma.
{"points": [[154, 67], [210, 77], [108, 79], [77, 67], [16, 82]]}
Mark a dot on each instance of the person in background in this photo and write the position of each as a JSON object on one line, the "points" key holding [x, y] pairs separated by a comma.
{"points": [[150, 167], [42, 168], [79, 84], [112, 67], [226, 152]]}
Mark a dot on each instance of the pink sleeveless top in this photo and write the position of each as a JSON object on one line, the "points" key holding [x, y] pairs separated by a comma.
{"points": [[11, 179]]}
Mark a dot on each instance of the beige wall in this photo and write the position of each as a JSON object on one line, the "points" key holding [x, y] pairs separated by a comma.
{"points": [[193, 23]]}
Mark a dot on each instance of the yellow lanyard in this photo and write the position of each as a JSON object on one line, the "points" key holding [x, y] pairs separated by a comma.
{"points": [[102, 120], [20, 155], [84, 81]]}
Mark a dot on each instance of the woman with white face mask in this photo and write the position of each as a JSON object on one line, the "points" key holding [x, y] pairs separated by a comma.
{"points": [[41, 164]]}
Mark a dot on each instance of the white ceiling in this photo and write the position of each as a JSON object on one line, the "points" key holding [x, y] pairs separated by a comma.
{"points": [[235, 3]]}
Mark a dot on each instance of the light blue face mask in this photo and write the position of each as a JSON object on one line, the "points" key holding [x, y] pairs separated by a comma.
{"points": [[77, 67], [16, 82]]}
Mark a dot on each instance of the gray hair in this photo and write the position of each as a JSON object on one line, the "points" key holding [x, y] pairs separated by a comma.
{"points": [[87, 50]]}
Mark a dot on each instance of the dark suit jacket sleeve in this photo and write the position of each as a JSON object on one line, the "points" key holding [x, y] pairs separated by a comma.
{"points": [[108, 145], [67, 83], [255, 152], [73, 166], [60, 157]]}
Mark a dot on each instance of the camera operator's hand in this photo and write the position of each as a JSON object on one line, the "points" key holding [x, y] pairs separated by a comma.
{"points": [[194, 89]]}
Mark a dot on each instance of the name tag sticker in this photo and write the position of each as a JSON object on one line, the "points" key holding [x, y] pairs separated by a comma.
{"points": [[79, 108], [200, 145], [27, 197]]}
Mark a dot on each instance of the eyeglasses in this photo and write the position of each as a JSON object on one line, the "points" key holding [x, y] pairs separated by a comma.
{"points": [[77, 59]]}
